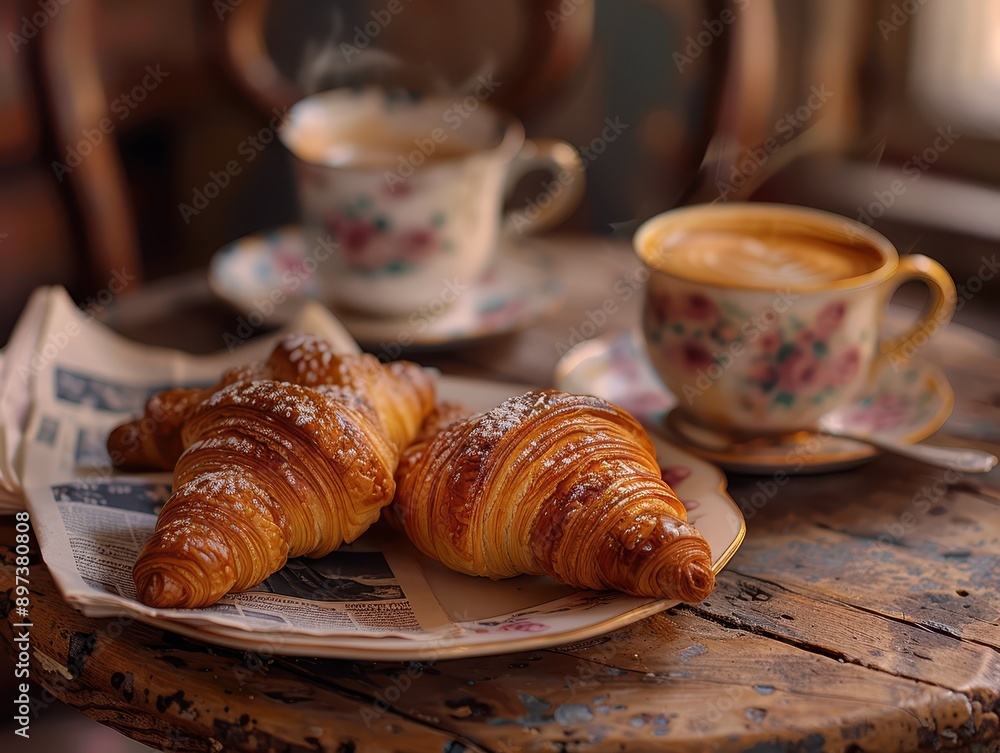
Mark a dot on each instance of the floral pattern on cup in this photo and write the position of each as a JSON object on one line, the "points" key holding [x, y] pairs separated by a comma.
{"points": [[372, 246], [787, 363]]}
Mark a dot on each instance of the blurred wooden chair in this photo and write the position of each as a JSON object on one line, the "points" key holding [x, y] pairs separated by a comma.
{"points": [[36, 236], [91, 56], [532, 46], [85, 132]]}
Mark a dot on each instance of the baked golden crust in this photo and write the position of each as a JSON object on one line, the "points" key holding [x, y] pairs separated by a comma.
{"points": [[154, 441], [276, 468], [554, 483]]}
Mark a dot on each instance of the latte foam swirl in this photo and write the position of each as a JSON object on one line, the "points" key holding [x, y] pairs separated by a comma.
{"points": [[758, 261]]}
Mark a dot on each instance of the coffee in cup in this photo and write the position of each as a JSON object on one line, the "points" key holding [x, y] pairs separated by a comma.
{"points": [[761, 318], [409, 190]]}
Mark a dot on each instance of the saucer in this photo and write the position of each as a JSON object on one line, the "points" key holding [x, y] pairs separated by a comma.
{"points": [[265, 276], [905, 405]]}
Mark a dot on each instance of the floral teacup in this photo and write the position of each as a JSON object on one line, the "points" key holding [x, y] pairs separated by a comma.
{"points": [[408, 191], [761, 318]]}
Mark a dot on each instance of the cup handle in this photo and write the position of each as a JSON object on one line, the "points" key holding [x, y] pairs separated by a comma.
{"points": [[938, 313], [568, 171]]}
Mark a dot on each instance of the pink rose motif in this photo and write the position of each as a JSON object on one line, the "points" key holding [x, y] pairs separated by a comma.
{"points": [[524, 626], [804, 373], [830, 319], [846, 367], [354, 236], [770, 341], [674, 474], [799, 372], [765, 374], [419, 244], [289, 261], [700, 308], [785, 369], [378, 250], [807, 338], [890, 411], [696, 356], [887, 412]]}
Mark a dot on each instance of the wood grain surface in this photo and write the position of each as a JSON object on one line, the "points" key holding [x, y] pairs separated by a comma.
{"points": [[862, 613]]}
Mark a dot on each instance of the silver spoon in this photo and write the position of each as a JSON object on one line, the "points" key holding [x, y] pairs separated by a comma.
{"points": [[962, 459]]}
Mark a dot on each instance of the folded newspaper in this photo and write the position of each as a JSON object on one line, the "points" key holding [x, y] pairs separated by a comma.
{"points": [[16, 379], [65, 381]]}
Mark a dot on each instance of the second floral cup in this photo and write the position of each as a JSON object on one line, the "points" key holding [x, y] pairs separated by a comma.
{"points": [[761, 318], [408, 191]]}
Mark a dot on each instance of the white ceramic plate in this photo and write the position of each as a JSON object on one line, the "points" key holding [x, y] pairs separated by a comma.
{"points": [[522, 613]]}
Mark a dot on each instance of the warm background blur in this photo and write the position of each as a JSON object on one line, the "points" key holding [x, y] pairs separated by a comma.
{"points": [[114, 113], [851, 93]]}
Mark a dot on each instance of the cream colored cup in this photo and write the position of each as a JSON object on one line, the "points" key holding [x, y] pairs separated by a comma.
{"points": [[410, 191], [759, 337]]}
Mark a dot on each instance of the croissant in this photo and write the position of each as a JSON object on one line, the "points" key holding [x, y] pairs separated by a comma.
{"points": [[273, 470], [155, 442], [551, 483]]}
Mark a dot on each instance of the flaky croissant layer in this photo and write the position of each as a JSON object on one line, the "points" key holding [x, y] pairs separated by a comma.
{"points": [[557, 484], [280, 467], [276, 471], [401, 393]]}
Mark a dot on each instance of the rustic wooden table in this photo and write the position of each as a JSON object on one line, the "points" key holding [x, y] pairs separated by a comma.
{"points": [[861, 613]]}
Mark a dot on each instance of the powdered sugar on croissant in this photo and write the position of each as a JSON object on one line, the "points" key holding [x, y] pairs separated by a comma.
{"points": [[278, 467], [154, 440], [557, 484]]}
